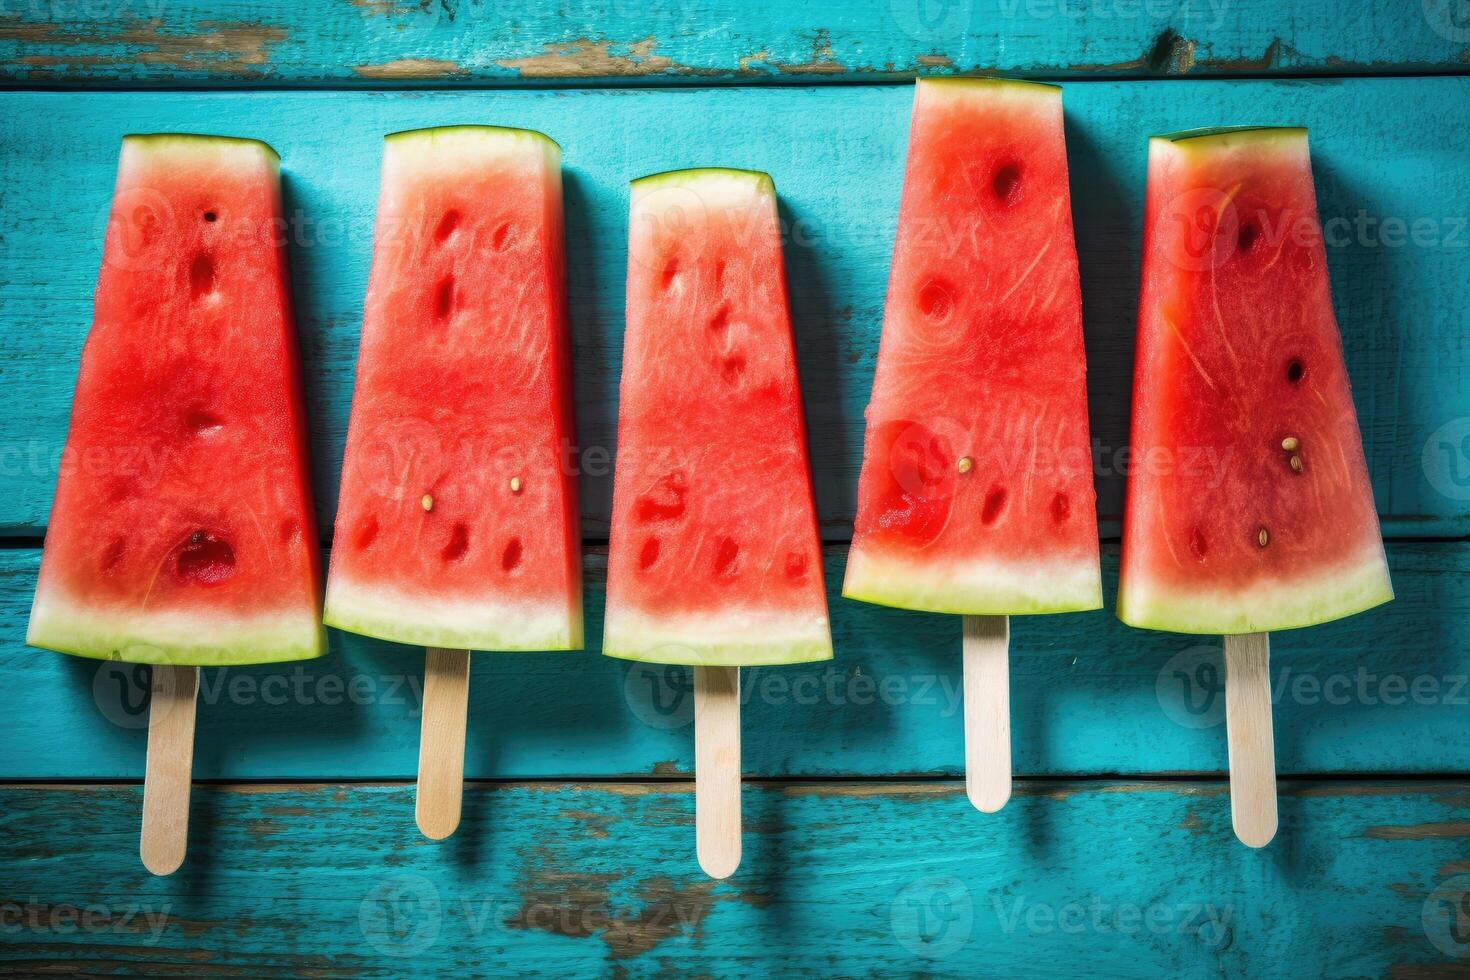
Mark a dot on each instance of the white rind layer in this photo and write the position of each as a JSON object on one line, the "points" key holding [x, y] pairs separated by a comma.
{"points": [[730, 638], [1265, 606], [453, 149], [973, 588], [178, 638], [457, 624], [689, 191]]}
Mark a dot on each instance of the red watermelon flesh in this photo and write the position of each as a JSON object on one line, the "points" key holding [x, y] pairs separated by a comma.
{"points": [[182, 530], [714, 557], [976, 494], [1249, 507], [457, 523]]}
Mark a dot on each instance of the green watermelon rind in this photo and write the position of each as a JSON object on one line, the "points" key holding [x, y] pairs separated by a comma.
{"points": [[202, 141], [1217, 137], [980, 83], [433, 133], [713, 644], [898, 584], [371, 612], [1268, 607], [759, 179], [144, 637]]}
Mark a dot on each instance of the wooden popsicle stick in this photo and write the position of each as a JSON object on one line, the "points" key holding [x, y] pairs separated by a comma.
{"points": [[987, 686], [170, 768], [1252, 742], [441, 741], [717, 769]]}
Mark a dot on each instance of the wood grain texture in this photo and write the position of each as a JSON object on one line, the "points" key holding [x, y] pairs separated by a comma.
{"points": [[1383, 149], [717, 769], [695, 42], [871, 879], [1384, 692], [985, 647], [1250, 737], [444, 709], [169, 776]]}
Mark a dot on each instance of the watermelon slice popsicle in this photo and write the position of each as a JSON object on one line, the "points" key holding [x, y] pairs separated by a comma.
{"points": [[976, 494], [714, 559], [182, 533], [457, 523], [1239, 362]]}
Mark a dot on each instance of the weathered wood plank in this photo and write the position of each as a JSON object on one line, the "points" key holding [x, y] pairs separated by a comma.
{"points": [[1383, 692], [388, 42], [1106, 879], [1389, 156]]}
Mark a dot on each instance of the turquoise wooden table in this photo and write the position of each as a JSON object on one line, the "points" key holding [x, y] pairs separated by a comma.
{"points": [[862, 856]]}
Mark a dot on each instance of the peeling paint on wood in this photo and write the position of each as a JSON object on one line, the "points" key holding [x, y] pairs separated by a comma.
{"points": [[1457, 828], [587, 58], [829, 885], [411, 68], [749, 41]]}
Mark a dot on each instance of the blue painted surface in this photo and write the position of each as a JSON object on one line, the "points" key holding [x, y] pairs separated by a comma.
{"points": [[847, 876], [1385, 150], [702, 42], [1385, 692], [874, 880]]}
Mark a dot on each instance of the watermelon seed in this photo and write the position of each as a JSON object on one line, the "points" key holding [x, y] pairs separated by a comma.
{"points": [[935, 300], [367, 530], [671, 271], [734, 367], [515, 484], [459, 543], [1198, 544], [1294, 370], [511, 556], [1061, 507], [205, 560], [201, 276], [721, 320], [966, 464], [428, 502], [1296, 463], [444, 298], [210, 216], [447, 224], [1005, 182], [995, 502], [502, 237], [1290, 443], [648, 554], [1263, 538], [725, 557], [1247, 237]]}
